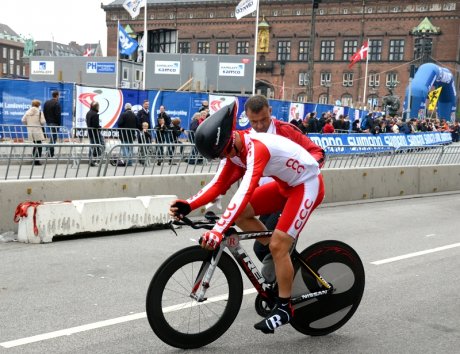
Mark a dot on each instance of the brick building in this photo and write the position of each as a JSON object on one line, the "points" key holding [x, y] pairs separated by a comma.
{"points": [[11, 53], [401, 33]]}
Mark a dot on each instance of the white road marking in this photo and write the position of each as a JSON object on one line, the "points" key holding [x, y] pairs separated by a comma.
{"points": [[415, 254], [430, 235], [106, 323]]}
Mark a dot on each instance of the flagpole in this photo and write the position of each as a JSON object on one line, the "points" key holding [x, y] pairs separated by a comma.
{"points": [[118, 54], [144, 44], [256, 39], [365, 77]]}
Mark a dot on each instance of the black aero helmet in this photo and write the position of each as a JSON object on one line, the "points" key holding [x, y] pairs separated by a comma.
{"points": [[214, 134]]}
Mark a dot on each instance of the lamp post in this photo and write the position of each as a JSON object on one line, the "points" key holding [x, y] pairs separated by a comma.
{"points": [[282, 68]]}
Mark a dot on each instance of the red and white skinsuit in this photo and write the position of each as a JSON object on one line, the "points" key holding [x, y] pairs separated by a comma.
{"points": [[297, 186]]}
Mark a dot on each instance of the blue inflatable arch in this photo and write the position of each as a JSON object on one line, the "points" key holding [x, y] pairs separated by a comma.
{"points": [[427, 76]]}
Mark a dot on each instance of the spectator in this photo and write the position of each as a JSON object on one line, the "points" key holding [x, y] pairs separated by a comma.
{"points": [[328, 127], [192, 129], [143, 115], [35, 120], [145, 138], [313, 123], [128, 126], [376, 129], [396, 126], [165, 116], [161, 131], [204, 105], [304, 126], [455, 132], [203, 115], [297, 121], [52, 112], [356, 126], [94, 134], [177, 131]]}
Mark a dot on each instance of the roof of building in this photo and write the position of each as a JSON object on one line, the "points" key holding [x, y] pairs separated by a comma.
{"points": [[7, 33]]}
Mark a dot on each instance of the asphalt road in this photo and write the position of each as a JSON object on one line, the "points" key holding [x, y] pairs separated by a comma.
{"points": [[87, 295]]}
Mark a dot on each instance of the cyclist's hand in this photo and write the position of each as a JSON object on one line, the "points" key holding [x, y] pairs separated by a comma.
{"points": [[211, 240], [179, 208]]}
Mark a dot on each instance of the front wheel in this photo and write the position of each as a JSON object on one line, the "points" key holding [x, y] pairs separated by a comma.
{"points": [[181, 321], [340, 266]]}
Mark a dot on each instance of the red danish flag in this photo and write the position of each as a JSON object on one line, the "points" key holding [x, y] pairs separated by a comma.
{"points": [[359, 55]]}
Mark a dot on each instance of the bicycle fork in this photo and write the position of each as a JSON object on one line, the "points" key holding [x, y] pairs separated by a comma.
{"points": [[204, 276]]}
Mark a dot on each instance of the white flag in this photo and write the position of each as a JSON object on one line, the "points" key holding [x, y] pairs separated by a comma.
{"points": [[134, 7], [246, 7]]}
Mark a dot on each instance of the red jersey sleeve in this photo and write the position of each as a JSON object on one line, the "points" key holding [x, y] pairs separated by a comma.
{"points": [[227, 174], [257, 157]]}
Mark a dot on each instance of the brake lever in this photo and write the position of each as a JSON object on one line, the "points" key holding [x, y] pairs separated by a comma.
{"points": [[171, 226]]}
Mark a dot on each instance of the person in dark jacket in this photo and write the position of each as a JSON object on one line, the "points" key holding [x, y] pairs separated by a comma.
{"points": [[94, 133], [312, 123], [143, 115], [52, 113], [128, 128]]}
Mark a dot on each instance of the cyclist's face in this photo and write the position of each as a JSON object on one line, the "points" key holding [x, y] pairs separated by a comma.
{"points": [[261, 120]]}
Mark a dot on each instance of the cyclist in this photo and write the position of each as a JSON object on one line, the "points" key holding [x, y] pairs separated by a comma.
{"points": [[259, 113], [297, 189]]}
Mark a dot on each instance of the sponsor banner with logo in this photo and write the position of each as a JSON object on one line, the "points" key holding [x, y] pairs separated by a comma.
{"points": [[41, 67], [231, 69], [94, 67], [17, 95], [353, 143], [167, 67]]}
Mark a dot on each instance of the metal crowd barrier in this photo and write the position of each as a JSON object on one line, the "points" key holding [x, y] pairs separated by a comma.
{"points": [[72, 160], [18, 133], [341, 156]]}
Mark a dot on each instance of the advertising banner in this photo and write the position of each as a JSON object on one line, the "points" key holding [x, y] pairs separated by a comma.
{"points": [[16, 97], [348, 143]]}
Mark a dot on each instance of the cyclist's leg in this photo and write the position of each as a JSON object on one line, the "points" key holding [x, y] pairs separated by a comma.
{"points": [[301, 201]]}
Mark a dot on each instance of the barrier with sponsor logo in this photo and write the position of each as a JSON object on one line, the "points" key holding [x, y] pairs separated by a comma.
{"points": [[347, 143]]}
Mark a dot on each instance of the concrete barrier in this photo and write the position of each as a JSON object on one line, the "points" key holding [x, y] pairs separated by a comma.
{"points": [[95, 215], [341, 185]]}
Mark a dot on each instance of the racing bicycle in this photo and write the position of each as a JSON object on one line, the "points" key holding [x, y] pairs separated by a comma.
{"points": [[195, 295]]}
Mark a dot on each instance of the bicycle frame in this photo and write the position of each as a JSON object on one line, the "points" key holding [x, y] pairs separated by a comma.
{"points": [[265, 289]]}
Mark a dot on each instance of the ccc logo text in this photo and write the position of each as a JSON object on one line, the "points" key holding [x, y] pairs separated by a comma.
{"points": [[295, 165]]}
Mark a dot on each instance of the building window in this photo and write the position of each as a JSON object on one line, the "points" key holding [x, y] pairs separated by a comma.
{"points": [[396, 50], [347, 100], [138, 75], [423, 46], [184, 47], [347, 80], [203, 48], [125, 74], [18, 70], [392, 79], [322, 98], [11, 69], [375, 50], [303, 79], [304, 50], [163, 41], [350, 47], [302, 97], [242, 47], [222, 47], [11, 53], [4, 68], [18, 55], [327, 50], [325, 78], [5, 53], [284, 51], [374, 80]]}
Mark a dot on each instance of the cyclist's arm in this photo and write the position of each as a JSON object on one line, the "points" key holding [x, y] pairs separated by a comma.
{"points": [[227, 174], [257, 158]]}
